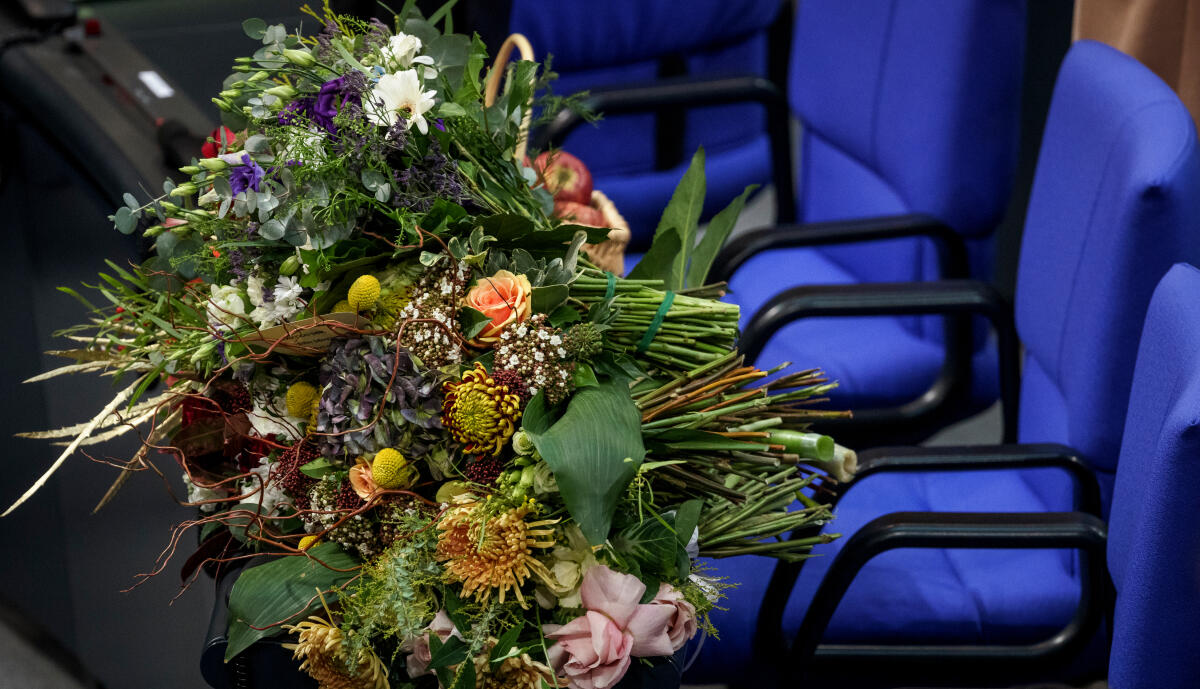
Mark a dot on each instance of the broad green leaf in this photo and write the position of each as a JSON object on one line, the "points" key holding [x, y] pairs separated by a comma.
{"points": [[284, 588], [564, 315], [683, 214], [317, 468], [593, 462], [714, 238], [506, 645], [547, 299], [452, 652], [584, 375], [659, 263], [473, 321], [687, 516], [651, 543]]}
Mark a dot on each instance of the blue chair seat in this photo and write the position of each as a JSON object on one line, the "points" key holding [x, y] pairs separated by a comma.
{"points": [[861, 354], [917, 596]]}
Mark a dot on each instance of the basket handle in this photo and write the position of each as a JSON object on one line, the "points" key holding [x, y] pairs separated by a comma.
{"points": [[492, 88]]}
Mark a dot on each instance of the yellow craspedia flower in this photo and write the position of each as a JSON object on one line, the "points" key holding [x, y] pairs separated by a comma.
{"points": [[363, 293], [300, 398], [309, 541], [391, 470], [342, 306]]}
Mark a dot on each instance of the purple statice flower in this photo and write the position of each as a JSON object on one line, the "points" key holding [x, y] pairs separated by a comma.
{"points": [[246, 176]]}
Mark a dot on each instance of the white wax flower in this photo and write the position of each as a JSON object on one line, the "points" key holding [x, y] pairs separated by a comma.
{"points": [[198, 493]]}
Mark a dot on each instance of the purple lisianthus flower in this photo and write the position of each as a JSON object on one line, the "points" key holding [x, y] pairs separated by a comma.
{"points": [[297, 112], [246, 176]]}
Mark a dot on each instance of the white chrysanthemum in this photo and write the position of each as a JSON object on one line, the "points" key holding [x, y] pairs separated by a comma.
{"points": [[400, 93], [225, 306], [268, 422]]}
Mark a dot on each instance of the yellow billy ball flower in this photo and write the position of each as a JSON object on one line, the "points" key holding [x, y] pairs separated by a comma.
{"points": [[342, 306], [391, 470], [363, 293], [309, 541], [300, 397]]}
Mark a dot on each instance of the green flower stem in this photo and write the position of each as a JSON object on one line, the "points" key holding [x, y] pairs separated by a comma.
{"points": [[765, 526], [756, 548], [759, 425]]}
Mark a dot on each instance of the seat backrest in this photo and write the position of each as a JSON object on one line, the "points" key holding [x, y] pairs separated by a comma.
{"points": [[1115, 202], [906, 107], [623, 42], [1154, 533]]}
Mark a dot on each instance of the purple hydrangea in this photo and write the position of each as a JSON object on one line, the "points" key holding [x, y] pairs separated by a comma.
{"points": [[246, 176]]}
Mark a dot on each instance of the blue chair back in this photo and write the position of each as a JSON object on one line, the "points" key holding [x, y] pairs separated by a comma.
{"points": [[623, 42], [1115, 202], [1154, 535], [907, 107]]}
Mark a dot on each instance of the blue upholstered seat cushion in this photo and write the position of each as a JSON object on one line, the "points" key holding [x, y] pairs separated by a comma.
{"points": [[915, 595], [877, 361]]}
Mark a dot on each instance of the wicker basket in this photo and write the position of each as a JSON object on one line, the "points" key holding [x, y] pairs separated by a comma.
{"points": [[609, 254]]}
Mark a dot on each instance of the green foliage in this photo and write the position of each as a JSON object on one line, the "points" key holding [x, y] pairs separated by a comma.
{"points": [[679, 256], [594, 450], [283, 589], [395, 597]]}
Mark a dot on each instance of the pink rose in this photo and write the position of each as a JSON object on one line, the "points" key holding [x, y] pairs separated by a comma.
{"points": [[683, 619], [593, 651], [420, 654]]}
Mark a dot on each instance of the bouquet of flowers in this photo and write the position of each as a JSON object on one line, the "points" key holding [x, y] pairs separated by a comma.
{"points": [[470, 457]]}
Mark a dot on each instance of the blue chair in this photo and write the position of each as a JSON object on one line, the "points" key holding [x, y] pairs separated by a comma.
{"points": [[1154, 537], [1115, 202], [645, 63], [910, 116]]}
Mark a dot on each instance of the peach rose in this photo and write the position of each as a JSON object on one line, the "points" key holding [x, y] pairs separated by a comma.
{"points": [[362, 481], [504, 298]]}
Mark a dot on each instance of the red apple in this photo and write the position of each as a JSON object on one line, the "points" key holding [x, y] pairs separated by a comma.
{"points": [[565, 176], [579, 213]]}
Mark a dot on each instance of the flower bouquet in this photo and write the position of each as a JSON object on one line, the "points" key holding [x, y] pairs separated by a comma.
{"points": [[469, 456]]}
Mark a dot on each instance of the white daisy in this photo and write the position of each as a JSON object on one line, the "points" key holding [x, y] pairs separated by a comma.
{"points": [[400, 93]]}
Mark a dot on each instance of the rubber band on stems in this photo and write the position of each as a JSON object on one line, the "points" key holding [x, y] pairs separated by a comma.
{"points": [[657, 322]]}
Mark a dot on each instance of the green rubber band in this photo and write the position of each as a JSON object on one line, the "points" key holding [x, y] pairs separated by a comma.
{"points": [[656, 322], [612, 285]]}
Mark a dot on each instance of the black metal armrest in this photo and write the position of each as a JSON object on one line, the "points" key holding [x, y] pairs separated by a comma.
{"points": [[974, 458], [949, 297], [661, 94], [1076, 530], [667, 94], [952, 251]]}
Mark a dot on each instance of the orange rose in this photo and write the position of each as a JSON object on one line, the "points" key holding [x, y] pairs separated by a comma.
{"points": [[504, 298]]}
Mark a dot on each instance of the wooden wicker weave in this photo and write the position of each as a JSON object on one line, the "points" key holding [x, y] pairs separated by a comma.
{"points": [[609, 254]]}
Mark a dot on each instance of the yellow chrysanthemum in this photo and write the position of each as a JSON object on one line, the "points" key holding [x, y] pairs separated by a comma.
{"points": [[492, 554], [480, 413], [300, 398], [391, 470], [363, 293], [320, 646]]}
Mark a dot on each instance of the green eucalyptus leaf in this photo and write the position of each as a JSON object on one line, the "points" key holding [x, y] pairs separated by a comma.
{"points": [[124, 220], [272, 229], [255, 28]]}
